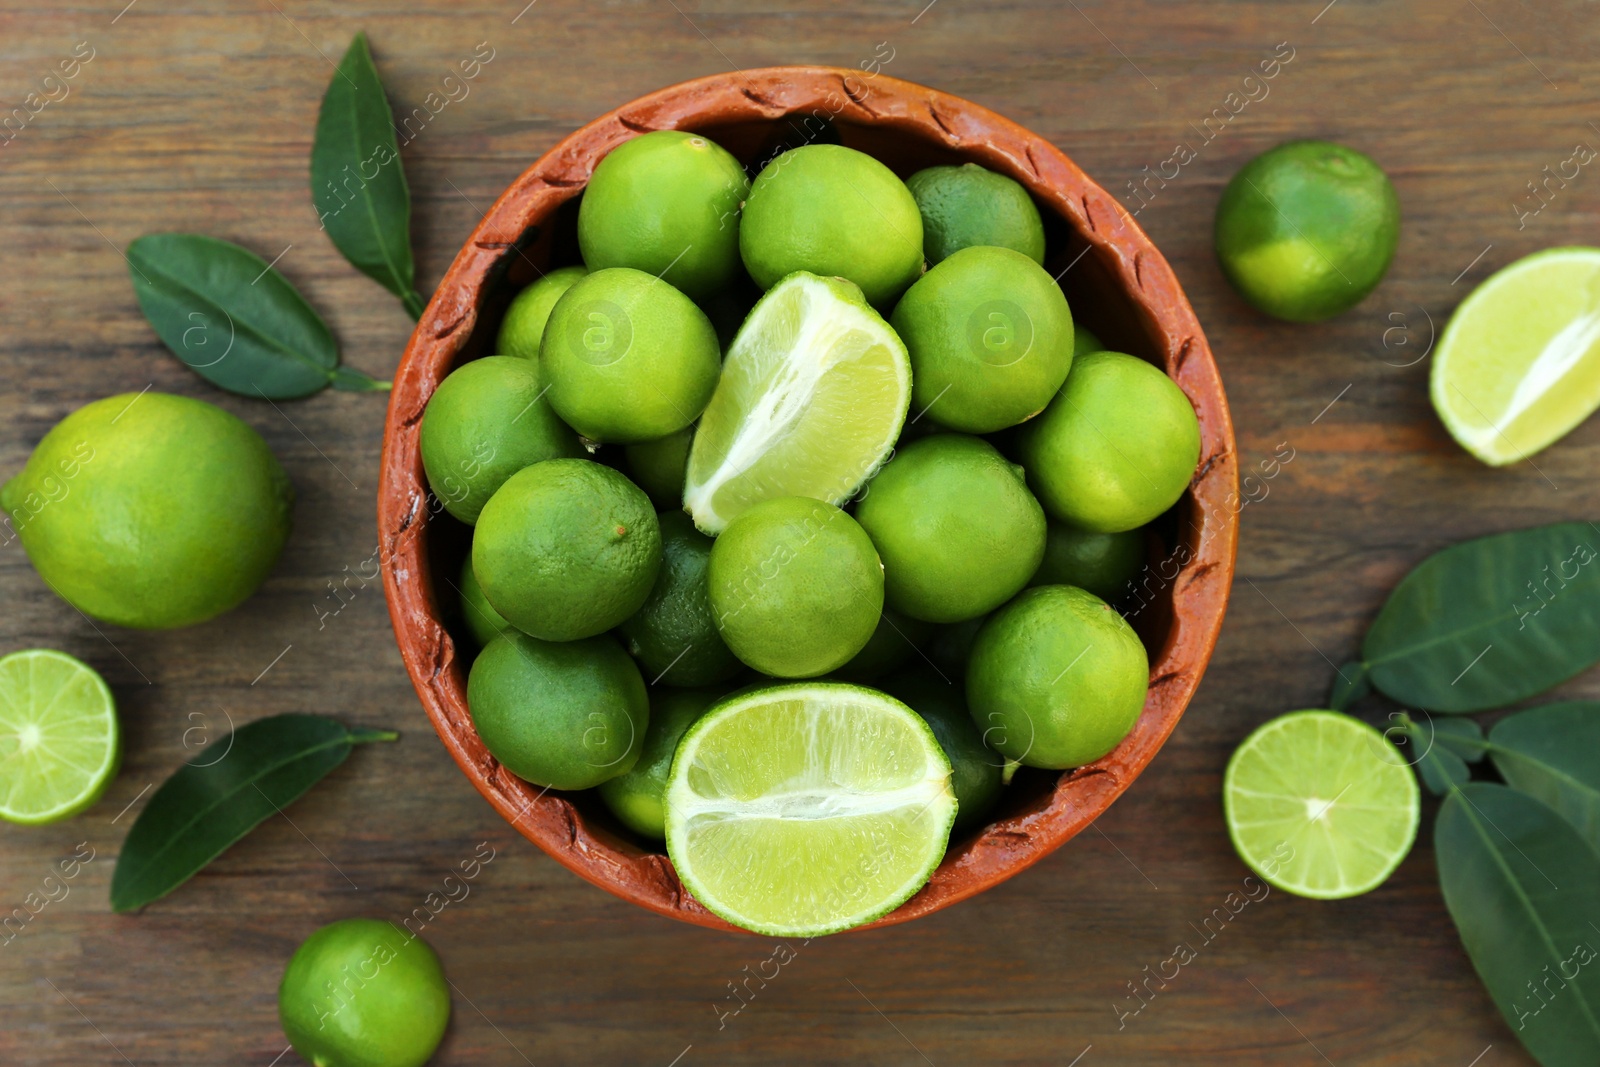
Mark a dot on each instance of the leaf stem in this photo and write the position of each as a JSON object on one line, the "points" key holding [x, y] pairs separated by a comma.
{"points": [[362, 735]]}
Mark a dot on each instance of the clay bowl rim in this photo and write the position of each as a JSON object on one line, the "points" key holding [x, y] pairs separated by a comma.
{"points": [[1208, 525]]}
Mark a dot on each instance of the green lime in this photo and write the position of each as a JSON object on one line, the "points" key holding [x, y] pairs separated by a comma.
{"points": [[485, 623], [1115, 448], [950, 647], [666, 203], [627, 357], [957, 529], [834, 211], [968, 205], [60, 744], [1307, 229], [566, 549], [364, 993], [1084, 341], [1519, 364], [976, 768], [151, 510], [487, 420], [639, 798], [812, 396], [801, 810], [523, 325], [895, 641], [658, 467], [1320, 804], [796, 587], [673, 636], [1102, 563], [990, 338], [1056, 678], [559, 714]]}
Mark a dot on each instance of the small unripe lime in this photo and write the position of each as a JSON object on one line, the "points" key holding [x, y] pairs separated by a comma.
{"points": [[525, 319]]}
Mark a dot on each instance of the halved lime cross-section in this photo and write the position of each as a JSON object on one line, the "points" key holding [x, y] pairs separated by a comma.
{"points": [[59, 741]]}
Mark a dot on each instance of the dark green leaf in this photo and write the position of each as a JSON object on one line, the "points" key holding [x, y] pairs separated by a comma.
{"points": [[357, 181], [1349, 686], [1441, 769], [1521, 886], [1489, 622], [210, 803], [1553, 753], [1464, 737]]}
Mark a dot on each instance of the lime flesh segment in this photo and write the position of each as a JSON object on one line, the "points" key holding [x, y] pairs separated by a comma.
{"points": [[59, 742], [1519, 364], [1320, 804], [813, 393], [801, 810]]}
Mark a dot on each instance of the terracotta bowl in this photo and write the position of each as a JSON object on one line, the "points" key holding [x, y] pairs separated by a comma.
{"points": [[1117, 284]]}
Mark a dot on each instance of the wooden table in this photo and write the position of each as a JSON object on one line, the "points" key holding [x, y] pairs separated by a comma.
{"points": [[199, 117]]}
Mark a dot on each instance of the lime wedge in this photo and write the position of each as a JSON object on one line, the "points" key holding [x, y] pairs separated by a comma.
{"points": [[1320, 804], [801, 810], [1518, 366], [59, 742], [813, 393]]}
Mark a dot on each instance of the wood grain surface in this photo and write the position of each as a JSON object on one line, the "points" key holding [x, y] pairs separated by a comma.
{"points": [[199, 116]]}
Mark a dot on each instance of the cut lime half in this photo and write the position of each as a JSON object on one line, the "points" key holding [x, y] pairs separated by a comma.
{"points": [[813, 393], [1320, 804], [801, 810], [59, 742], [1518, 366]]}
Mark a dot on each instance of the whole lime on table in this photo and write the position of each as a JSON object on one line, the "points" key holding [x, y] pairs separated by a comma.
{"points": [[639, 797], [566, 549], [151, 510], [523, 326], [487, 420], [1056, 678], [1306, 230], [364, 993], [975, 768], [60, 743], [560, 714], [666, 203], [957, 529], [1102, 563], [1115, 448], [990, 338], [968, 205], [674, 635]]}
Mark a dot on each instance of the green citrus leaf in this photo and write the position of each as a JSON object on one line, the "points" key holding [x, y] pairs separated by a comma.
{"points": [[1553, 753], [1350, 684], [213, 801]]}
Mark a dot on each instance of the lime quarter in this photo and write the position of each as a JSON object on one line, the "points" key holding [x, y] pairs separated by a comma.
{"points": [[59, 740]]}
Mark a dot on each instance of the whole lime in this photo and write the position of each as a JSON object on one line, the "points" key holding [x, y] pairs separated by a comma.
{"points": [[990, 338], [559, 714], [975, 768], [1306, 230], [956, 527], [628, 358], [151, 510], [673, 636], [1102, 563], [969, 205], [638, 798], [364, 993], [523, 325], [666, 203], [1084, 340], [896, 640], [659, 467], [566, 549], [1115, 448], [796, 587], [485, 422], [482, 620], [832, 210], [1056, 678], [950, 647]]}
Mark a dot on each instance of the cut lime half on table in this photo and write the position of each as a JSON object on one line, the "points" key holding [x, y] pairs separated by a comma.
{"points": [[1319, 804], [801, 810], [1518, 366], [59, 742]]}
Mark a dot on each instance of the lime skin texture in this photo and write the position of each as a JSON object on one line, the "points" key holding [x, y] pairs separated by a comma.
{"points": [[1056, 678], [525, 319], [482, 620], [832, 211], [796, 587], [666, 203], [567, 549], [976, 768], [1115, 448], [1306, 230], [150, 510], [628, 358], [487, 420], [660, 466], [674, 635], [957, 529], [638, 798], [559, 714], [364, 993], [897, 638], [990, 338], [969, 205], [1102, 563]]}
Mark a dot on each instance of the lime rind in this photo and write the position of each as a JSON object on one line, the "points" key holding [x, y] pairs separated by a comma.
{"points": [[803, 810], [1321, 805], [59, 738]]}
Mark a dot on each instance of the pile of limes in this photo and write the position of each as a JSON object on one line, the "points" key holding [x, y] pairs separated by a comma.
{"points": [[753, 467]]}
